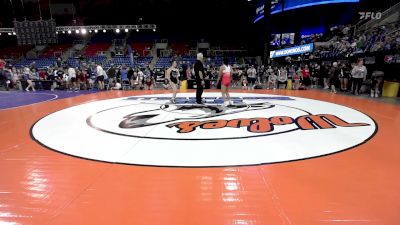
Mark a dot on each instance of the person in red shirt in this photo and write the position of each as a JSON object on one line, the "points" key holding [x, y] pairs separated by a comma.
{"points": [[2, 64], [42, 75], [306, 77], [82, 79]]}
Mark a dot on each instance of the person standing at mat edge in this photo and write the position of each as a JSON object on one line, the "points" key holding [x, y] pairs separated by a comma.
{"points": [[199, 73], [172, 76]]}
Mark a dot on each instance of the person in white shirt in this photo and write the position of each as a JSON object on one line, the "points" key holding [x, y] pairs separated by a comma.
{"points": [[141, 79], [282, 77], [100, 76], [359, 74], [117, 86], [252, 77], [28, 79], [15, 78], [72, 79]]}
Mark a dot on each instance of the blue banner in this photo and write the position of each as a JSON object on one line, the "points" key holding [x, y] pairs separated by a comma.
{"points": [[276, 5], [259, 11], [292, 51]]}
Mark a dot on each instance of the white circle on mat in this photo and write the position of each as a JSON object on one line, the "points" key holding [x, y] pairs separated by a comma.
{"points": [[257, 129]]}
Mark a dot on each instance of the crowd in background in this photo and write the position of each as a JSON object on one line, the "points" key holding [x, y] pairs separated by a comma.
{"points": [[344, 42], [88, 77], [337, 76]]}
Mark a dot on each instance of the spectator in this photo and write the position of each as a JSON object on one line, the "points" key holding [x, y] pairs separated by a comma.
{"points": [[6, 77], [52, 78], [149, 83], [15, 80], [112, 74], [130, 76], [2, 77], [82, 79], [272, 81], [334, 75], [43, 75], [28, 79], [124, 74], [2, 64], [306, 77], [100, 77], [252, 77], [72, 79], [297, 77], [260, 74], [141, 79], [116, 86], [270, 71], [359, 74], [243, 80], [189, 73], [60, 77], [135, 79], [35, 74], [377, 82], [325, 75], [282, 77], [315, 76], [345, 76]]}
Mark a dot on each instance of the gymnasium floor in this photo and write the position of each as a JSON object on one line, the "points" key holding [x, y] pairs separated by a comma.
{"points": [[61, 166]]}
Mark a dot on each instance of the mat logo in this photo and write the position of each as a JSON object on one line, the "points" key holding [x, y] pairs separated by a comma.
{"points": [[266, 125], [185, 112], [256, 129]]}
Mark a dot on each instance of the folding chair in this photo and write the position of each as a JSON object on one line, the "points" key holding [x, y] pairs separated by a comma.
{"points": [[126, 85]]}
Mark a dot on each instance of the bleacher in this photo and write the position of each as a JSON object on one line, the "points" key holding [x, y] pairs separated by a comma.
{"points": [[218, 61], [73, 62], [55, 50], [189, 60], [97, 59], [95, 48], [141, 47], [376, 39], [143, 61], [40, 63], [180, 48], [14, 52], [119, 61], [163, 62]]}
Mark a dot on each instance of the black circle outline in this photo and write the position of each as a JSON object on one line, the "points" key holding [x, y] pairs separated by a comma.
{"points": [[224, 166]]}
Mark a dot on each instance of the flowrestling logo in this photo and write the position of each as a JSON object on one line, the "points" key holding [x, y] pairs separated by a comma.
{"points": [[370, 15], [256, 129]]}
